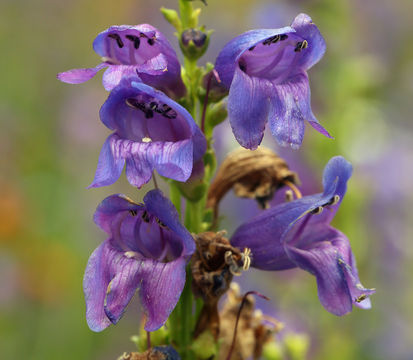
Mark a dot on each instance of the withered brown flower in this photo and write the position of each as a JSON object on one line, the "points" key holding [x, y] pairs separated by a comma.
{"points": [[253, 174]]}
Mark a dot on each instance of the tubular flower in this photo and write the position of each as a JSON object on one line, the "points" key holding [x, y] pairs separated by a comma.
{"points": [[151, 131], [147, 249], [266, 74], [133, 50], [299, 234]]}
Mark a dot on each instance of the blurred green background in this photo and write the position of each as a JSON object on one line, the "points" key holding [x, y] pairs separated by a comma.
{"points": [[51, 136]]}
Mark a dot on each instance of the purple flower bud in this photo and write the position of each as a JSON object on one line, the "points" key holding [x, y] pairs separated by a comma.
{"points": [[266, 74], [147, 249], [130, 51], [151, 132], [299, 234]]}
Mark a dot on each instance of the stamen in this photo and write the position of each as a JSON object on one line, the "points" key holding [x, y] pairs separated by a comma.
{"points": [[160, 223], [136, 41], [151, 41], [246, 258], [283, 37], [317, 210], [271, 40], [117, 38], [148, 114], [228, 257], [334, 200], [289, 196], [133, 212], [135, 104], [251, 48], [146, 139], [301, 45], [145, 216], [168, 112], [294, 189], [153, 106], [360, 298]]}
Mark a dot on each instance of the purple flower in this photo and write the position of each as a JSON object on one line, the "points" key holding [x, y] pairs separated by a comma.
{"points": [[265, 71], [151, 131], [133, 50], [298, 234], [147, 249]]}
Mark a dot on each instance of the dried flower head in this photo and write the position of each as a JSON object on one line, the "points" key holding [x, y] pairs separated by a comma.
{"points": [[251, 174], [214, 264]]}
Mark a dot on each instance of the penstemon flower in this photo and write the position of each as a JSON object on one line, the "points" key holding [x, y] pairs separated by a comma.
{"points": [[147, 249], [130, 51], [266, 73], [299, 234], [151, 131]]}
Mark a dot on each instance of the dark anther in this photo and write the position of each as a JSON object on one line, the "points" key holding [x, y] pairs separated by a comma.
{"points": [[271, 40], [117, 38], [160, 223], [317, 210], [135, 39], [360, 298], [133, 103], [151, 41], [148, 114], [334, 200], [301, 45], [133, 212], [251, 48], [283, 37], [168, 112], [145, 216], [243, 67], [153, 106]]}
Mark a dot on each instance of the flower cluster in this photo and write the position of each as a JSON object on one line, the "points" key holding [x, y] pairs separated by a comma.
{"points": [[161, 116]]}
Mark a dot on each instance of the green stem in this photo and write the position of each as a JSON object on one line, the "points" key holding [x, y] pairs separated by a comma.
{"points": [[185, 10], [175, 196], [186, 318]]}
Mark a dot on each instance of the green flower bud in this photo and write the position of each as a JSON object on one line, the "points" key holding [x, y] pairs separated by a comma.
{"points": [[194, 43], [172, 17]]}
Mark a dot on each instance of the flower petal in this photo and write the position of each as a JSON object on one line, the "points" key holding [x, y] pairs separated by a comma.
{"points": [[248, 108], [114, 74], [127, 273], [264, 234], [110, 164], [172, 160], [290, 107], [110, 207], [95, 282], [226, 62], [326, 253], [316, 48], [162, 285], [78, 76], [322, 260], [164, 210], [148, 51]]}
